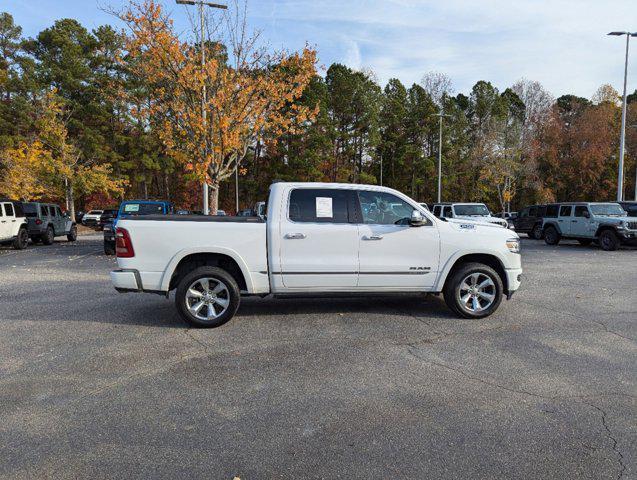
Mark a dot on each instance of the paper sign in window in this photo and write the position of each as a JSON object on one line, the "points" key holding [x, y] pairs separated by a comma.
{"points": [[324, 207]]}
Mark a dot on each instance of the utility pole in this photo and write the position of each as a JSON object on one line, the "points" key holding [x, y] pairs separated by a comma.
{"points": [[622, 135], [440, 117], [204, 99]]}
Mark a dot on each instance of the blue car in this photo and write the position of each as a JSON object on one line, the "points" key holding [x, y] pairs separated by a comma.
{"points": [[131, 208]]}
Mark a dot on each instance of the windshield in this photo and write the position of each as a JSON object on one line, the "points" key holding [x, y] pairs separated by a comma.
{"points": [[608, 209], [477, 210], [30, 210], [142, 209]]}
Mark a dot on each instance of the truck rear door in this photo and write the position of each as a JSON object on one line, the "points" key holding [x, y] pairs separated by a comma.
{"points": [[319, 244]]}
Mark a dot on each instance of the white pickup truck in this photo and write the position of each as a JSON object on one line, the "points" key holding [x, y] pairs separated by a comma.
{"points": [[317, 238]]}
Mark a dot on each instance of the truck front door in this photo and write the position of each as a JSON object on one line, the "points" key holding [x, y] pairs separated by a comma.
{"points": [[392, 253], [5, 224], [319, 244]]}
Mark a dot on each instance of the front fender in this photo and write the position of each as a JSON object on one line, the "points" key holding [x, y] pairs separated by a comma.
{"points": [[451, 261], [180, 255]]}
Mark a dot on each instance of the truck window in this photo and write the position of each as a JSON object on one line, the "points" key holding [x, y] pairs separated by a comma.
{"points": [[447, 212], [437, 211], [380, 208], [581, 210], [8, 208], [315, 205], [532, 212], [565, 210], [31, 210]]}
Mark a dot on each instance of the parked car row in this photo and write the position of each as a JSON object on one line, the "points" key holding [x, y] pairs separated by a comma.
{"points": [[608, 224], [41, 222]]}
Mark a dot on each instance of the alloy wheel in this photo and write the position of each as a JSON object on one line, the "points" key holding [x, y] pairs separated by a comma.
{"points": [[477, 292], [207, 298]]}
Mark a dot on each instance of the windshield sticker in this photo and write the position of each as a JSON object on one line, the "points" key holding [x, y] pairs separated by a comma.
{"points": [[324, 207], [131, 207]]}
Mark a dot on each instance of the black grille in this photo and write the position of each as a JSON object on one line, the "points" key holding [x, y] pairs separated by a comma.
{"points": [[632, 225]]}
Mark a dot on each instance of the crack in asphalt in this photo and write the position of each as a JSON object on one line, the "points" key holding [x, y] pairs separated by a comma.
{"points": [[609, 434]]}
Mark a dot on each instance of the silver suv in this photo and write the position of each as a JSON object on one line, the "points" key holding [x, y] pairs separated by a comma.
{"points": [[587, 222]]}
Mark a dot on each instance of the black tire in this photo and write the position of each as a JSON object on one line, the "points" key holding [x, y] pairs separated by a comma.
{"points": [[21, 240], [536, 233], [609, 241], [584, 241], [109, 248], [454, 284], [231, 294], [552, 236], [72, 236], [49, 236]]}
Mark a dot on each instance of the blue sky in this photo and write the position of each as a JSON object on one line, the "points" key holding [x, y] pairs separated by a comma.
{"points": [[561, 43]]}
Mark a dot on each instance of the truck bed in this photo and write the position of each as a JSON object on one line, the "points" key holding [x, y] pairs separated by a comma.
{"points": [[195, 218]]}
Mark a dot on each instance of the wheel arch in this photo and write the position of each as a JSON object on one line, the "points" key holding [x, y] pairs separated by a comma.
{"points": [[551, 224], [487, 258], [189, 259], [603, 227]]}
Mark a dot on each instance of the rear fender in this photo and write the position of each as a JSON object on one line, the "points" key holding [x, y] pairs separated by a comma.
{"points": [[179, 256]]}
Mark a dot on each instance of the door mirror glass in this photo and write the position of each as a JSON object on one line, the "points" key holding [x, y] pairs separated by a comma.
{"points": [[417, 219]]}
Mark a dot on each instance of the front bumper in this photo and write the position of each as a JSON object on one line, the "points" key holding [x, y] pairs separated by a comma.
{"points": [[514, 280]]}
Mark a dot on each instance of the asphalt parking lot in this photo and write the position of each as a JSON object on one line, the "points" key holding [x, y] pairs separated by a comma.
{"points": [[96, 384]]}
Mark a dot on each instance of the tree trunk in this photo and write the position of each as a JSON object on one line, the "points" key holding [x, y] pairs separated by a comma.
{"points": [[70, 200], [213, 198]]}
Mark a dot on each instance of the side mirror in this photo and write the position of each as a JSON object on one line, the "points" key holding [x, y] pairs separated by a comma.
{"points": [[417, 219]]}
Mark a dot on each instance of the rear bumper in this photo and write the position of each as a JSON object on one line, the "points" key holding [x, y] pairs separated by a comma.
{"points": [[126, 280]]}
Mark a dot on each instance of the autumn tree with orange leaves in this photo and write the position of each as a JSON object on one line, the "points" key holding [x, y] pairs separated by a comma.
{"points": [[249, 91]]}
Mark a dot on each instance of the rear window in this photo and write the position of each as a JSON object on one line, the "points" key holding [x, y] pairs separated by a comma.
{"points": [[31, 210], [551, 211], [319, 205], [143, 209]]}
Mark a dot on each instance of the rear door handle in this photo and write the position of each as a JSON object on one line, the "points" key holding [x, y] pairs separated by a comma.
{"points": [[295, 236], [372, 237]]}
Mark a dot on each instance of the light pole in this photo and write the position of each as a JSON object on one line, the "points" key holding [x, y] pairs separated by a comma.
{"points": [[622, 135], [440, 116], [201, 4]]}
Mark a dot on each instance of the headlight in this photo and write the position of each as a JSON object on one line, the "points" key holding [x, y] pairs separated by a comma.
{"points": [[513, 244]]}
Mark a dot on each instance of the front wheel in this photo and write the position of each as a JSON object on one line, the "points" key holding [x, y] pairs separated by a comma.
{"points": [[72, 235], [21, 240], [207, 297], [49, 236], [609, 241], [474, 291], [552, 236]]}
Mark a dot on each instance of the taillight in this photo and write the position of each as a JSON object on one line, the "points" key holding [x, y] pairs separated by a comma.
{"points": [[38, 221], [123, 244]]}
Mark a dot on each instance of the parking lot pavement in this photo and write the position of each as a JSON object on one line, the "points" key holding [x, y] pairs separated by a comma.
{"points": [[96, 384]]}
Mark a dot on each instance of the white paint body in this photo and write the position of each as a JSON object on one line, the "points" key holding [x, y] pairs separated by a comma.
{"points": [[321, 257]]}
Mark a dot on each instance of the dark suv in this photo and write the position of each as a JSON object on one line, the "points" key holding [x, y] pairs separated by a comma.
{"points": [[630, 207], [46, 221], [529, 221]]}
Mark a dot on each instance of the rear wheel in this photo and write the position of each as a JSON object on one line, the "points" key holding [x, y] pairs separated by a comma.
{"points": [[474, 291], [72, 235], [207, 297], [536, 233], [21, 240], [608, 240], [552, 236], [49, 236]]}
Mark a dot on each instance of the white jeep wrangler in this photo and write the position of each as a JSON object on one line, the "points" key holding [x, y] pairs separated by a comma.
{"points": [[13, 224]]}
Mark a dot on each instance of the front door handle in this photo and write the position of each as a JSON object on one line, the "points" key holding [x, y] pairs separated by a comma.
{"points": [[295, 236], [574, 221], [372, 237]]}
